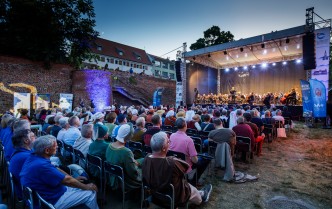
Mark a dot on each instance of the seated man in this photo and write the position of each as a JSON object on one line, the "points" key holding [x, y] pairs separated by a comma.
{"points": [[51, 183], [22, 141], [73, 133], [118, 154], [83, 143], [181, 142], [156, 122], [159, 171]]}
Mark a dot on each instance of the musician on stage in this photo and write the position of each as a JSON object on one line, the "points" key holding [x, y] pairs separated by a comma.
{"points": [[233, 94], [267, 100], [291, 97], [251, 98], [195, 95]]}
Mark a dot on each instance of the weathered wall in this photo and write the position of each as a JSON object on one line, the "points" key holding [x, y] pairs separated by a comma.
{"points": [[18, 71]]}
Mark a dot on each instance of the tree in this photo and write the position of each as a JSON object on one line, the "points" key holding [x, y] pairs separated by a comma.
{"points": [[47, 30], [212, 36]]}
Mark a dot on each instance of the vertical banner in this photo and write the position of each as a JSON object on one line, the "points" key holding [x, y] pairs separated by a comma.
{"points": [[306, 98], [157, 97], [21, 101], [66, 101], [318, 97], [179, 92], [42, 101], [321, 73]]}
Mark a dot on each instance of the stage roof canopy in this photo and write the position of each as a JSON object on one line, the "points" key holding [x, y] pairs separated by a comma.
{"points": [[267, 48]]}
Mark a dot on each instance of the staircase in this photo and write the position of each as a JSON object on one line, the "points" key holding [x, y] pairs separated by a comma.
{"points": [[125, 93]]}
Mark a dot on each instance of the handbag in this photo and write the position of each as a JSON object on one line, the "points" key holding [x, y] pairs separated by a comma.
{"points": [[281, 132]]}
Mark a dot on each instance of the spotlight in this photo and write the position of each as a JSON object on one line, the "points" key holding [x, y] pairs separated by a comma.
{"points": [[284, 63], [263, 45], [273, 64], [264, 65], [227, 69], [241, 49], [254, 66], [265, 51], [287, 40], [298, 61], [209, 55], [245, 67], [235, 68], [298, 46], [225, 52], [245, 55]]}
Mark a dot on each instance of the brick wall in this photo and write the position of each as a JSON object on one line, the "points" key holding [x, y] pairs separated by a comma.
{"points": [[17, 70], [63, 79]]}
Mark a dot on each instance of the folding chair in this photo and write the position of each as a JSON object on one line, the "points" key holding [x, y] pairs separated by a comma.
{"points": [[60, 148], [43, 204], [167, 128], [191, 132], [80, 158], [28, 197], [147, 150], [243, 144], [117, 171], [68, 148], [179, 155], [148, 125], [136, 148], [95, 169]]}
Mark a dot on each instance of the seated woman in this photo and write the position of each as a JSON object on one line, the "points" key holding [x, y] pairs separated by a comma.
{"points": [[159, 171], [118, 154], [99, 146], [194, 123], [140, 130], [110, 124]]}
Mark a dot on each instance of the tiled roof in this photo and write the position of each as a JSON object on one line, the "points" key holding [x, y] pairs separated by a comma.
{"points": [[154, 57], [114, 49]]}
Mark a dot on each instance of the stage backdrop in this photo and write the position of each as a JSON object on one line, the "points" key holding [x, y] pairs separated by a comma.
{"points": [[201, 77], [278, 78]]}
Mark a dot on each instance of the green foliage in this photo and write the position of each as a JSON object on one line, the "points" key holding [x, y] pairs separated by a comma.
{"points": [[132, 80], [212, 36], [48, 30]]}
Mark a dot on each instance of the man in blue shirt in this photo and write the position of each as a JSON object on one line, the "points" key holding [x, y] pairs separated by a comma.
{"points": [[22, 141], [51, 183]]}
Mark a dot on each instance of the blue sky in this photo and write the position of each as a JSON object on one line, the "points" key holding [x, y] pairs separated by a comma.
{"points": [[159, 26]]}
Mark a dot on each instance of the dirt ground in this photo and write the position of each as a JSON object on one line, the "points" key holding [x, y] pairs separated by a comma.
{"points": [[295, 172]]}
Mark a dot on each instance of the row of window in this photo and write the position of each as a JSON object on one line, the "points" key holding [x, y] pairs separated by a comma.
{"points": [[163, 65], [164, 74], [124, 63]]}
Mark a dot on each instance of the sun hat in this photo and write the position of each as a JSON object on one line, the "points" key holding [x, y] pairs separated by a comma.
{"points": [[181, 114]]}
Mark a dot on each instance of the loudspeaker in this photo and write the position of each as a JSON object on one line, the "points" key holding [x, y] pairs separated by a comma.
{"points": [[178, 70], [309, 52]]}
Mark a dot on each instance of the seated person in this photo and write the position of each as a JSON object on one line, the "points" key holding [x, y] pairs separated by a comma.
{"points": [[279, 117], [156, 121], [140, 130], [118, 154], [54, 185], [181, 142], [206, 125], [159, 171], [170, 118], [194, 123], [99, 146]]}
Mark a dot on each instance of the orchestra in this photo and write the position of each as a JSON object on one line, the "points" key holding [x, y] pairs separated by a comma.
{"points": [[277, 98]]}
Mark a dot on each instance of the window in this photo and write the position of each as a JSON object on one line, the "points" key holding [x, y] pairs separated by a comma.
{"points": [[120, 62], [144, 67], [102, 59], [171, 67], [131, 64], [157, 73], [165, 74], [116, 62], [171, 75], [139, 57], [157, 63], [164, 65], [134, 65], [124, 63], [120, 53], [112, 60], [108, 59], [127, 64], [99, 48]]}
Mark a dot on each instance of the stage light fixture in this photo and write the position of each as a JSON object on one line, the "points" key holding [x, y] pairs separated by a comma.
{"points": [[298, 46], [284, 63], [287, 40], [274, 64], [225, 52], [235, 68], [245, 55], [264, 51], [245, 67], [254, 66], [264, 65], [263, 46], [241, 49], [298, 61], [227, 69]]}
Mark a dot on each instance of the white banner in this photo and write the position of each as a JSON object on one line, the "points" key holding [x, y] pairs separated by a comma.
{"points": [[66, 101], [21, 101], [321, 73], [179, 94]]}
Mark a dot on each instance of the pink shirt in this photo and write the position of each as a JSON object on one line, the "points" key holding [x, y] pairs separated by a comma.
{"points": [[180, 142]]}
